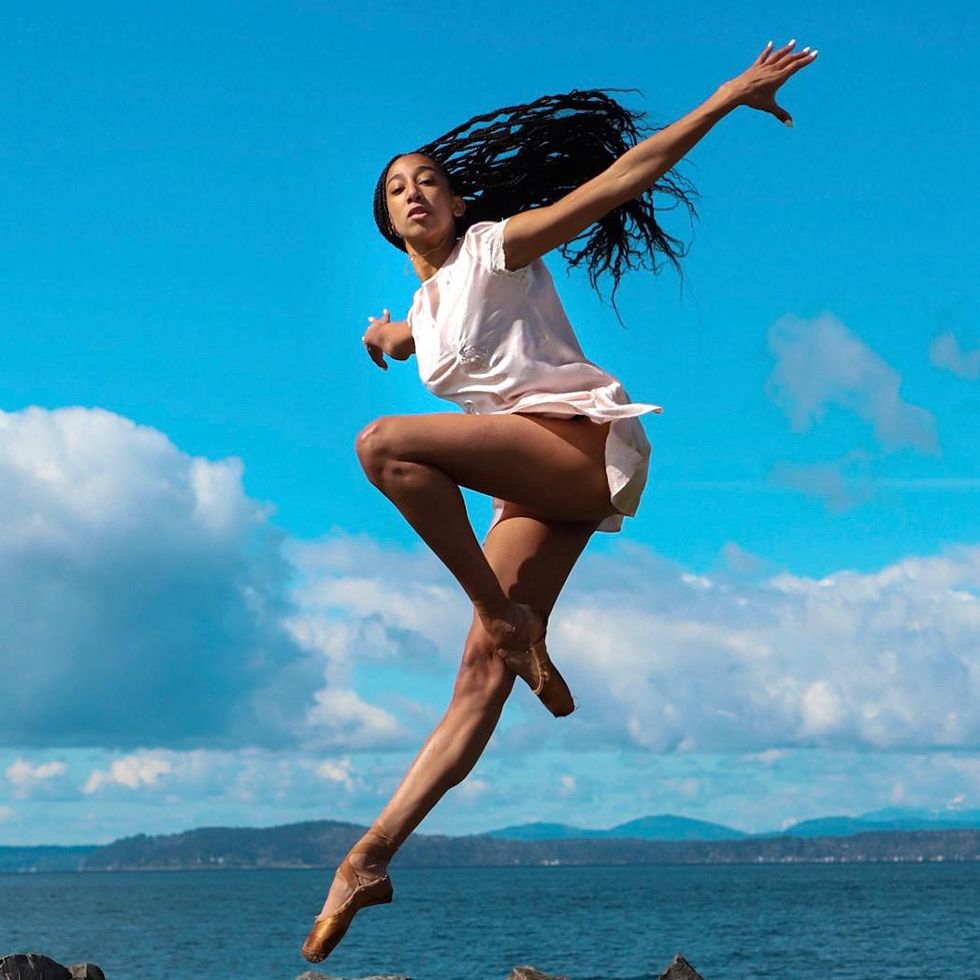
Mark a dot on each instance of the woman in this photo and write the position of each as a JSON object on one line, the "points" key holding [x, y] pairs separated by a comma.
{"points": [[549, 435]]}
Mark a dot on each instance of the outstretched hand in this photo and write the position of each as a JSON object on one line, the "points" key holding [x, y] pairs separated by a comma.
{"points": [[756, 87], [372, 339]]}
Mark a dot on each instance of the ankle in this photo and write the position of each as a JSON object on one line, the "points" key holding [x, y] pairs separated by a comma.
{"points": [[496, 610], [376, 847], [374, 864]]}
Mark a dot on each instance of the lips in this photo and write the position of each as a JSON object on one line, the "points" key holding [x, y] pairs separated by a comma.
{"points": [[417, 212]]}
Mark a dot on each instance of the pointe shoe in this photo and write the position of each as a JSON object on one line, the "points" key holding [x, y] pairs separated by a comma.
{"points": [[328, 930], [526, 653]]}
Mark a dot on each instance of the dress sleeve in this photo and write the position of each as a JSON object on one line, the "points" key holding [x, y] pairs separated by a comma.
{"points": [[486, 244]]}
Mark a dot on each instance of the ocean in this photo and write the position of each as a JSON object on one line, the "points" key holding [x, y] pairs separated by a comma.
{"points": [[733, 922]]}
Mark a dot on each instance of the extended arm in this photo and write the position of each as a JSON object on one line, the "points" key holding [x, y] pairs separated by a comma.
{"points": [[531, 234], [386, 337]]}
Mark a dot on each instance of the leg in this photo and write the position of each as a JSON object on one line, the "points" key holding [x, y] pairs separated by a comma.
{"points": [[553, 469], [532, 559]]}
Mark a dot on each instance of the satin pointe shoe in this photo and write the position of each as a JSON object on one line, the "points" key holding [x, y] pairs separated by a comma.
{"points": [[328, 930], [525, 652]]}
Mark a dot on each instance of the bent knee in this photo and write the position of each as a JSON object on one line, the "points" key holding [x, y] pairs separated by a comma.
{"points": [[375, 446]]}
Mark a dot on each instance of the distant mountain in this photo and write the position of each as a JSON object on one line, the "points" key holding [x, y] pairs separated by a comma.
{"points": [[668, 827], [661, 827], [946, 817], [883, 821], [542, 831]]}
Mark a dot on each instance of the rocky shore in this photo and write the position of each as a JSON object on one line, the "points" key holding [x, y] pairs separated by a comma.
{"points": [[36, 966]]}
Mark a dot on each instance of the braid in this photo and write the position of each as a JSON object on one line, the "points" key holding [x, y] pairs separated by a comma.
{"points": [[529, 156]]}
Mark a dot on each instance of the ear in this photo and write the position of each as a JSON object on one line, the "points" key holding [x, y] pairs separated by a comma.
{"points": [[459, 207]]}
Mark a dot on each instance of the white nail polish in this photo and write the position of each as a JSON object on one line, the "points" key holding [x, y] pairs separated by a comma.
{"points": [[791, 42], [804, 51], [813, 53]]}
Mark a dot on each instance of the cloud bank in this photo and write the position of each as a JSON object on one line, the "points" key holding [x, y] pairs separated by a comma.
{"points": [[141, 592], [883, 661]]}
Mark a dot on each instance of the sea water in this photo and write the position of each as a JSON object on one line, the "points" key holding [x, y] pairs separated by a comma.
{"points": [[733, 922]]}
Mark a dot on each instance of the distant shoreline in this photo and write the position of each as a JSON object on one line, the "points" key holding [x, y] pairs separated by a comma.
{"points": [[321, 845]]}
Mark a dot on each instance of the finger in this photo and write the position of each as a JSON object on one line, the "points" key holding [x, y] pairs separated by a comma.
{"points": [[792, 65], [377, 355], [780, 56], [781, 114], [763, 54], [797, 63], [385, 315]]}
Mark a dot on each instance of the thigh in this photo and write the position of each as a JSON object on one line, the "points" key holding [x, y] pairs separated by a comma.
{"points": [[552, 468]]}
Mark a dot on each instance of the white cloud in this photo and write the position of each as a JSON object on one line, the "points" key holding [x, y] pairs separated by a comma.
{"points": [[663, 659], [946, 353], [339, 772], [22, 773], [820, 362], [341, 718], [405, 606], [142, 593], [567, 786], [25, 777], [161, 608], [666, 662], [473, 789], [131, 771]]}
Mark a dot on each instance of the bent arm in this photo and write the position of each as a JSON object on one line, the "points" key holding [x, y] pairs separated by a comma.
{"points": [[400, 344], [531, 234]]}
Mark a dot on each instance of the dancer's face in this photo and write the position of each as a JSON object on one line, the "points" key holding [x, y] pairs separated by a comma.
{"points": [[421, 204]]}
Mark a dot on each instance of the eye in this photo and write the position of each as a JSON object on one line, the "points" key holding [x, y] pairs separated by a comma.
{"points": [[395, 191]]}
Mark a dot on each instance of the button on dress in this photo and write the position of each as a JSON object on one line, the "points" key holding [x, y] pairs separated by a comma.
{"points": [[497, 341]]}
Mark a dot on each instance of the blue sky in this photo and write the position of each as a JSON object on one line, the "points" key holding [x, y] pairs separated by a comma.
{"points": [[210, 615]]}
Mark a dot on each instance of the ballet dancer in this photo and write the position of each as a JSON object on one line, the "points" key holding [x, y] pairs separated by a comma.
{"points": [[553, 438]]}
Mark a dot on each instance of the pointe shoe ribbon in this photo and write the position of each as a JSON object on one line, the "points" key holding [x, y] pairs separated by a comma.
{"points": [[525, 652], [328, 930]]}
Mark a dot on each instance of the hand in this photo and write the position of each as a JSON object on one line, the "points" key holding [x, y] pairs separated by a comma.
{"points": [[372, 338], [756, 86]]}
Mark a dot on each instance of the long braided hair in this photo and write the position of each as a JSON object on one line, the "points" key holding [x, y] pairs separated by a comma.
{"points": [[529, 156]]}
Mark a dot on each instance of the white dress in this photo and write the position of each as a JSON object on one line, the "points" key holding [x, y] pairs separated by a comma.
{"points": [[495, 340]]}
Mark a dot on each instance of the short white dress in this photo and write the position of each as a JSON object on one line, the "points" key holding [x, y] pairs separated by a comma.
{"points": [[497, 341]]}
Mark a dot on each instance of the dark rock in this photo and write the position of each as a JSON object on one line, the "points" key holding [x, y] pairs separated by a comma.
{"points": [[32, 966], [86, 971], [680, 969], [312, 975], [529, 973]]}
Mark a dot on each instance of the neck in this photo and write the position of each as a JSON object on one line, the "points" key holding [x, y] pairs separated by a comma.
{"points": [[427, 261]]}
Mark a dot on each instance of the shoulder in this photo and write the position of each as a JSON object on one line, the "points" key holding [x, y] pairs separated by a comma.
{"points": [[484, 243], [478, 236]]}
